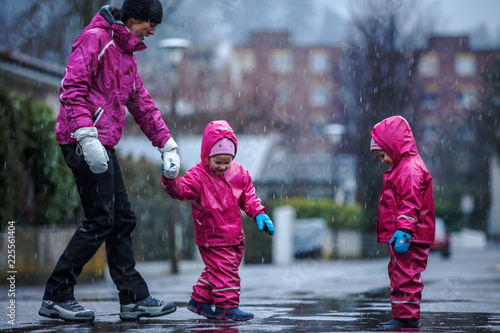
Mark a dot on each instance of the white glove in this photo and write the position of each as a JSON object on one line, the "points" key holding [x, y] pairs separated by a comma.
{"points": [[171, 161], [93, 151]]}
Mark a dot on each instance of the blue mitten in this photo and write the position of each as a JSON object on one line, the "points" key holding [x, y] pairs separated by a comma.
{"points": [[265, 223], [401, 241]]}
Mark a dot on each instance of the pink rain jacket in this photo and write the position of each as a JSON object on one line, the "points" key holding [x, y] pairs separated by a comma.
{"points": [[216, 200], [406, 201], [101, 79]]}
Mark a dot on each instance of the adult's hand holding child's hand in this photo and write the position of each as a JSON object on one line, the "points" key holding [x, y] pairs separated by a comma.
{"points": [[171, 161]]}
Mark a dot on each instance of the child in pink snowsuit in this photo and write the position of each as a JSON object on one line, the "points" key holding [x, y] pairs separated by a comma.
{"points": [[405, 218], [218, 188]]}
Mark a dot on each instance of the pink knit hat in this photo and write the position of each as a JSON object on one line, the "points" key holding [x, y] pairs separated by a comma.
{"points": [[223, 146], [374, 146]]}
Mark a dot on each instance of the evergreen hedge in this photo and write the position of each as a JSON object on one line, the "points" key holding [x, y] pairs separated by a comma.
{"points": [[346, 216], [36, 186]]}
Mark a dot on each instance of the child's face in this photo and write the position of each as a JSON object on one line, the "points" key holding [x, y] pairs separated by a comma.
{"points": [[220, 163], [384, 158]]}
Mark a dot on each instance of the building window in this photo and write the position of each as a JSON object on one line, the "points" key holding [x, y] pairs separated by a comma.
{"points": [[429, 101], [281, 61], [319, 61], [320, 95], [430, 132], [429, 65], [466, 98], [247, 60], [283, 94], [465, 64]]}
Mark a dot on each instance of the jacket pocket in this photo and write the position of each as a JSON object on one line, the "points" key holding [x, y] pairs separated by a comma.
{"points": [[71, 155]]}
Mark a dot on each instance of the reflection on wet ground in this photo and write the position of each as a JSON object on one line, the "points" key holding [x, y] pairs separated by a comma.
{"points": [[356, 313]]}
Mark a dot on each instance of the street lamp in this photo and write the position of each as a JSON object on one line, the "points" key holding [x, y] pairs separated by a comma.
{"points": [[334, 132], [175, 48]]}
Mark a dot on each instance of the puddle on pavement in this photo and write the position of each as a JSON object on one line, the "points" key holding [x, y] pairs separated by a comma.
{"points": [[362, 313]]}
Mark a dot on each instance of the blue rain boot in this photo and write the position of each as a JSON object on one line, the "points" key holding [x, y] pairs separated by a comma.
{"points": [[401, 322], [203, 309], [232, 314]]}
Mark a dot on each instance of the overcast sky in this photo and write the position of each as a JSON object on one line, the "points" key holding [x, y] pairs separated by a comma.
{"points": [[464, 15], [455, 16]]}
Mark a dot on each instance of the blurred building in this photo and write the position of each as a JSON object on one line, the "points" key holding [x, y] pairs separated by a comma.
{"points": [[448, 87], [294, 87], [30, 76], [267, 85], [451, 99]]}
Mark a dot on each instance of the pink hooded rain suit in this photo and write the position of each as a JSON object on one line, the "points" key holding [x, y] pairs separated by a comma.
{"points": [[216, 202], [406, 202]]}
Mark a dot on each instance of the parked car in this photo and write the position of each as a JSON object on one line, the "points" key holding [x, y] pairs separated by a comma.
{"points": [[310, 237], [442, 239]]}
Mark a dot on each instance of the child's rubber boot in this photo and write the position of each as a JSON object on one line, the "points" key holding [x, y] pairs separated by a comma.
{"points": [[203, 309], [232, 314], [401, 322]]}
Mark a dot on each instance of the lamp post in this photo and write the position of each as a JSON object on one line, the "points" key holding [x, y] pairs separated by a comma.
{"points": [[175, 48], [334, 132]]}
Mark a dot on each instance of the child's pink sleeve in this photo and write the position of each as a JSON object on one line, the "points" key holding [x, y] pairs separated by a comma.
{"points": [[181, 188], [250, 202]]}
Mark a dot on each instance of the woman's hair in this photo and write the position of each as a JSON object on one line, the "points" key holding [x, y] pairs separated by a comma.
{"points": [[144, 10], [118, 14]]}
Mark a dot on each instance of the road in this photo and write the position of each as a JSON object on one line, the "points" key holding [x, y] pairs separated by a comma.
{"points": [[461, 294]]}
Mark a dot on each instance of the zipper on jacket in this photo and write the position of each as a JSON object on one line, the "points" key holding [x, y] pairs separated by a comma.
{"points": [[97, 115]]}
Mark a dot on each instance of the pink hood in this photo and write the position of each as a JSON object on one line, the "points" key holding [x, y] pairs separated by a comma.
{"points": [[216, 201], [395, 137], [406, 200], [100, 80], [214, 131]]}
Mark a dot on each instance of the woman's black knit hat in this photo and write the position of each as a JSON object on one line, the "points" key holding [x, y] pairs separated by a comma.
{"points": [[144, 10]]}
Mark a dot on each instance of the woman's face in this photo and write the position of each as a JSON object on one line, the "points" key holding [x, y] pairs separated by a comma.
{"points": [[141, 29], [220, 163]]}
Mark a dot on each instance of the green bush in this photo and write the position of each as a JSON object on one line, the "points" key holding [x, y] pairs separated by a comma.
{"points": [[347, 216], [36, 186], [450, 212]]}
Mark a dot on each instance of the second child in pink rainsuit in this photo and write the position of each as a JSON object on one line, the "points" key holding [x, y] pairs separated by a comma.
{"points": [[406, 217], [218, 188]]}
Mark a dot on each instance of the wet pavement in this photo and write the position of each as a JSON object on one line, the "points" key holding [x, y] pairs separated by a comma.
{"points": [[461, 294]]}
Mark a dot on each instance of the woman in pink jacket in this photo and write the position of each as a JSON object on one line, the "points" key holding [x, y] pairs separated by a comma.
{"points": [[218, 188], [100, 80], [405, 218]]}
